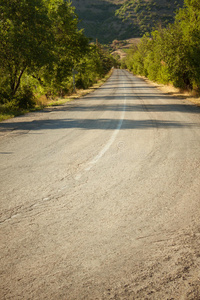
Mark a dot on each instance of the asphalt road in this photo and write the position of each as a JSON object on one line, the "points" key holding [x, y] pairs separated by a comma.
{"points": [[100, 198]]}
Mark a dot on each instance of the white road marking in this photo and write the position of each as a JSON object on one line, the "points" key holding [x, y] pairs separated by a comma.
{"points": [[109, 143]]}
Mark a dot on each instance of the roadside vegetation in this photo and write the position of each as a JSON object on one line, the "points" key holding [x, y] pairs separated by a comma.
{"points": [[40, 45], [171, 54]]}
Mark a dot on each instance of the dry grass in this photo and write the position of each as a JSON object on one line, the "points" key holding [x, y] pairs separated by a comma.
{"points": [[192, 96]]}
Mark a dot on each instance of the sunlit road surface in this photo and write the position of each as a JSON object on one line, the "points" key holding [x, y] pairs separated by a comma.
{"points": [[100, 198]]}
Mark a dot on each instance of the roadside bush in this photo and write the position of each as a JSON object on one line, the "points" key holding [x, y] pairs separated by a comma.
{"points": [[4, 89], [24, 99]]}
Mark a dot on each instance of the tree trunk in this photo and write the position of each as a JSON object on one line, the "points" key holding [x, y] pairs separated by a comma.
{"points": [[15, 83]]}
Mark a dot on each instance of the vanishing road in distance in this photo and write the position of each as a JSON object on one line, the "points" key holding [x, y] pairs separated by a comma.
{"points": [[100, 198]]}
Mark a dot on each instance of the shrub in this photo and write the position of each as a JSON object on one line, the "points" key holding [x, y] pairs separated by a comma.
{"points": [[24, 99]]}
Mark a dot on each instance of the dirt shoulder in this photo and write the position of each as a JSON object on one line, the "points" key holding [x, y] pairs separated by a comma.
{"points": [[175, 92]]}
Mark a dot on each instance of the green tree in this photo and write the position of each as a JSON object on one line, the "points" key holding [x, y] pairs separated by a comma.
{"points": [[171, 54], [70, 46], [188, 22], [26, 39]]}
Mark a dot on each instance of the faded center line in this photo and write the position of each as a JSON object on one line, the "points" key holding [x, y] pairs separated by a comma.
{"points": [[109, 143]]}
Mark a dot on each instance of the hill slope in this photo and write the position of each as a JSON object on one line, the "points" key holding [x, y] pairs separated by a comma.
{"points": [[122, 19]]}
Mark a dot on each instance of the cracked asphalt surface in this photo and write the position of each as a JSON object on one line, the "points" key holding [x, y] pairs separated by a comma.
{"points": [[100, 198]]}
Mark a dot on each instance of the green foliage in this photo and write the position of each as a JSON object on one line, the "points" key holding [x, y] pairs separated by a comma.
{"points": [[171, 55], [40, 45], [70, 46], [25, 39], [93, 66], [25, 99]]}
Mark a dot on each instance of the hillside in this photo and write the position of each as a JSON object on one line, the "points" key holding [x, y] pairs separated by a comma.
{"points": [[123, 19]]}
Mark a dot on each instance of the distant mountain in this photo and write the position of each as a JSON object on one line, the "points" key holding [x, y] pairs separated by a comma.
{"points": [[107, 20]]}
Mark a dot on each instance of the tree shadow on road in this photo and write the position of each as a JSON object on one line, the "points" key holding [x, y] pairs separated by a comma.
{"points": [[100, 124], [134, 103]]}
